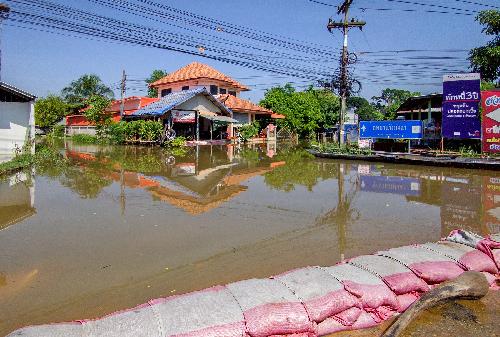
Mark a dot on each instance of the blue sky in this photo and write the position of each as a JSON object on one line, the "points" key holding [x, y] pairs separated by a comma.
{"points": [[43, 63]]}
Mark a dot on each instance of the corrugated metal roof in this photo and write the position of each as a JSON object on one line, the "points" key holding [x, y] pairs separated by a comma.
{"points": [[173, 100], [16, 91]]}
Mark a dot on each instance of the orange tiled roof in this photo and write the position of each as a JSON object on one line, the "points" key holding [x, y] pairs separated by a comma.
{"points": [[195, 71], [242, 105]]}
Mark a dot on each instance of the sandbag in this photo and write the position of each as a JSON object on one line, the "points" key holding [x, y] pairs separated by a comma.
{"points": [[489, 246], [51, 330], [433, 268], [270, 308], [466, 256], [211, 312], [373, 293], [398, 278], [322, 295], [137, 322]]}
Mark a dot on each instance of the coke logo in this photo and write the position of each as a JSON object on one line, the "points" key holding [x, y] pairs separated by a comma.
{"points": [[492, 100]]}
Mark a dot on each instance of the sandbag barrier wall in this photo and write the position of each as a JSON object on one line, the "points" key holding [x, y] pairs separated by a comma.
{"points": [[306, 302]]}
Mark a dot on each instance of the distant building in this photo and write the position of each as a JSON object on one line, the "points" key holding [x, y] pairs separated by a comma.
{"points": [[78, 124], [17, 120], [227, 90], [427, 108], [194, 114]]}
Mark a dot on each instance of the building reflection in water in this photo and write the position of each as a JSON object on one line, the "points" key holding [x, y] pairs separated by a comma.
{"points": [[196, 181], [17, 199]]}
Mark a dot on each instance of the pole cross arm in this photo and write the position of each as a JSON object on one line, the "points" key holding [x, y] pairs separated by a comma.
{"points": [[353, 24]]}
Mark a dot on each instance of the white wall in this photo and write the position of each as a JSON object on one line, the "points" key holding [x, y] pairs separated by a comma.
{"points": [[200, 103], [16, 125]]}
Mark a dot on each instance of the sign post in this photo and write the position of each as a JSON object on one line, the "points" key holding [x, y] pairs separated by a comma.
{"points": [[461, 96], [490, 101]]}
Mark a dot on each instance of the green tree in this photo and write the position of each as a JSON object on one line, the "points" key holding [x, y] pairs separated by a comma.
{"points": [[50, 110], [486, 59], [155, 76], [80, 90], [305, 111], [364, 110], [390, 100], [97, 112], [330, 107]]}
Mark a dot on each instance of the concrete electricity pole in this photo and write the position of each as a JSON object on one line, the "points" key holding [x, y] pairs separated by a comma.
{"points": [[344, 80], [122, 93], [4, 11]]}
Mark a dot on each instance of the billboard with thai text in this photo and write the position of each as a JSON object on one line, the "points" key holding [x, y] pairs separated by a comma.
{"points": [[461, 96], [490, 101]]}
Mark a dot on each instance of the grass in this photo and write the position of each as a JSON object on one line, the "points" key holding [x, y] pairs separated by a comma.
{"points": [[352, 149], [18, 163], [85, 139]]}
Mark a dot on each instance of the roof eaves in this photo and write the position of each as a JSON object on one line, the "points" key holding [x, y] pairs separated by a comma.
{"points": [[17, 91]]}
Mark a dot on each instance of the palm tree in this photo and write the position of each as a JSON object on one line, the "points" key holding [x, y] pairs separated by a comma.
{"points": [[83, 88]]}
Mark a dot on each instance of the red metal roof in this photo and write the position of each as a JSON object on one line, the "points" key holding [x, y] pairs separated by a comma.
{"points": [[197, 71]]}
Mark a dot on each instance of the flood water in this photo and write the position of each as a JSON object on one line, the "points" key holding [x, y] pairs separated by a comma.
{"points": [[99, 229]]}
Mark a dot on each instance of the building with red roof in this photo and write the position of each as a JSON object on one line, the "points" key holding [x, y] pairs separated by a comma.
{"points": [[79, 124]]}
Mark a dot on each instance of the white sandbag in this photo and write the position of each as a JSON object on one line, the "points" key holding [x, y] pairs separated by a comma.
{"points": [[51, 330], [322, 294], [428, 265], [211, 312], [137, 322], [270, 308], [400, 279]]}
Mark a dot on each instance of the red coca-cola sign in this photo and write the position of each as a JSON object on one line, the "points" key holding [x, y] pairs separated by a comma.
{"points": [[490, 101]]}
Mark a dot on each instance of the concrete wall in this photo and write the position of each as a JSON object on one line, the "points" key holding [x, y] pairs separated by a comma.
{"points": [[17, 124], [80, 130]]}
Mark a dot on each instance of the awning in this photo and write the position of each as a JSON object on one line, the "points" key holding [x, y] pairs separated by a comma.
{"points": [[217, 118]]}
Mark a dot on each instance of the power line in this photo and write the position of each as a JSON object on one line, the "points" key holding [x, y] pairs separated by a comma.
{"points": [[431, 5]]}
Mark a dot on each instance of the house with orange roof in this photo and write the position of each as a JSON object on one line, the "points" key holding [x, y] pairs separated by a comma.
{"points": [[227, 90]]}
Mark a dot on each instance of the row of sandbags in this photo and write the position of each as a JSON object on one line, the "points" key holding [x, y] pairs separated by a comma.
{"points": [[311, 301]]}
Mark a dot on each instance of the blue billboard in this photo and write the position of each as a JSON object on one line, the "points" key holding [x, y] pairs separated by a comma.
{"points": [[461, 97], [391, 129], [392, 185]]}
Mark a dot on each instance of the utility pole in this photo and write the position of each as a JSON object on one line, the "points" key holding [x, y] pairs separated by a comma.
{"points": [[122, 91], [4, 12], [344, 80]]}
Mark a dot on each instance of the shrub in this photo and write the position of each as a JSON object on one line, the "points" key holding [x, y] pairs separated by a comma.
{"points": [[248, 131], [85, 139]]}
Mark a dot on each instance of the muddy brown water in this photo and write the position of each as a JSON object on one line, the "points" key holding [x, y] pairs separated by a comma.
{"points": [[99, 229]]}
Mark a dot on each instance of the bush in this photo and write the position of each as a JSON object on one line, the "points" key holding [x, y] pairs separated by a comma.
{"points": [[117, 132], [135, 130], [249, 131], [85, 139], [177, 142], [345, 149], [57, 131]]}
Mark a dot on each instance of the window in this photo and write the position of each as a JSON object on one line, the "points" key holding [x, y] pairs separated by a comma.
{"points": [[223, 91], [214, 90], [232, 93], [185, 88], [165, 92]]}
